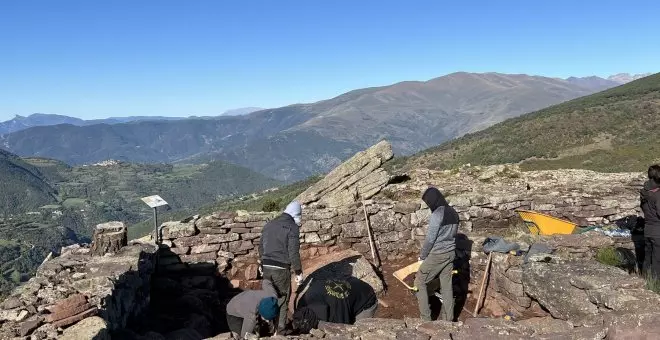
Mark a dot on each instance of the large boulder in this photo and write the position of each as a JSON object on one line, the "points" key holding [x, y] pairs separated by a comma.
{"points": [[577, 290], [90, 328], [644, 325], [359, 178]]}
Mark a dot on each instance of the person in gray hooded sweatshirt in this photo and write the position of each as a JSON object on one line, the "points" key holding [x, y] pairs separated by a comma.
{"points": [[438, 253], [280, 254], [246, 308]]}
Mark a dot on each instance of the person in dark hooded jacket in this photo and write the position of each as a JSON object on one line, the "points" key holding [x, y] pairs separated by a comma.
{"points": [[280, 254], [650, 204], [438, 253]]}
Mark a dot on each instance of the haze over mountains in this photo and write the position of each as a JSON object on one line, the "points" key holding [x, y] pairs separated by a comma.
{"points": [[296, 141], [19, 123]]}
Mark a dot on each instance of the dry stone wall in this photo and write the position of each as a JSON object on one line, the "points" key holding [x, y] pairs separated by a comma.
{"points": [[485, 197]]}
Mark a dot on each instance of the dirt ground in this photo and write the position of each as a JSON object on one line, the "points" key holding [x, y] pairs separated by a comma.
{"points": [[402, 302]]}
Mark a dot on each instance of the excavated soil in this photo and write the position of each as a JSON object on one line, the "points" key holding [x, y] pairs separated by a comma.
{"points": [[402, 302]]}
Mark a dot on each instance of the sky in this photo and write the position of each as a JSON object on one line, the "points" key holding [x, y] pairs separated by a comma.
{"points": [[95, 59]]}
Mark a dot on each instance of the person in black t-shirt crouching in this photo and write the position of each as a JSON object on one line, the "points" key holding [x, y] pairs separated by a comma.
{"points": [[334, 300]]}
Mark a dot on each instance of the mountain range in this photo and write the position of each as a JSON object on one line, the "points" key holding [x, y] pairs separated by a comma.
{"points": [[296, 141], [19, 123]]}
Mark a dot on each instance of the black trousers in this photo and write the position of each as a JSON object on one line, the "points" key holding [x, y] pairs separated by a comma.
{"points": [[640, 249], [281, 279], [235, 325], [652, 257]]}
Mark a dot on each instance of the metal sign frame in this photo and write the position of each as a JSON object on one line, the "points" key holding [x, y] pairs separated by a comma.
{"points": [[154, 202]]}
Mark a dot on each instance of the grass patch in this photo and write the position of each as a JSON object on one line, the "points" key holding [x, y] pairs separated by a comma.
{"points": [[652, 283], [74, 203], [609, 256]]}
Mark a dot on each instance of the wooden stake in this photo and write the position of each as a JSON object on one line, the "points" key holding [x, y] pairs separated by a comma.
{"points": [[371, 240], [483, 284]]}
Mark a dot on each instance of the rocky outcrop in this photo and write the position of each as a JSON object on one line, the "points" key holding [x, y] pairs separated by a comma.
{"points": [[358, 178], [77, 294], [580, 291]]}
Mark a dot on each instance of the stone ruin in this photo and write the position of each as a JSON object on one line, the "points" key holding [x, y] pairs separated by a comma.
{"points": [[179, 290]]}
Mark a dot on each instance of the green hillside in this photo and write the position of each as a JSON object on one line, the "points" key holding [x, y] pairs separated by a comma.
{"points": [[22, 186], [46, 204], [614, 130], [119, 186], [270, 200]]}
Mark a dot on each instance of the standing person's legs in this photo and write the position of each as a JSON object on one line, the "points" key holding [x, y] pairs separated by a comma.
{"points": [[640, 245], [281, 279], [655, 257], [648, 255], [429, 270], [447, 288]]}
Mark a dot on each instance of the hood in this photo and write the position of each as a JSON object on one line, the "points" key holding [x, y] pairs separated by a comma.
{"points": [[434, 198], [294, 210]]}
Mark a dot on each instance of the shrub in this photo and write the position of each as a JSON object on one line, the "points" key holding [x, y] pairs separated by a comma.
{"points": [[609, 256], [272, 205]]}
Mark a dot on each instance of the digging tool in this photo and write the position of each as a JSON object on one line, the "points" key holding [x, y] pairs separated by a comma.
{"points": [[371, 239], [483, 285]]}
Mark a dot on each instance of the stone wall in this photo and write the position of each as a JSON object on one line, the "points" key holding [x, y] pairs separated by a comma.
{"points": [[486, 199], [230, 240], [76, 293]]}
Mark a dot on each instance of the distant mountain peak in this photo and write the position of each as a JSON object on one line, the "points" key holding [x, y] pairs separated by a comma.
{"points": [[623, 78], [241, 111]]}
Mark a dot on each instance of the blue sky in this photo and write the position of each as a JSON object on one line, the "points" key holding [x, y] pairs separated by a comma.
{"points": [[95, 59]]}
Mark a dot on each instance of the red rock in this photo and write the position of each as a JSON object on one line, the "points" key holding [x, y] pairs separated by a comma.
{"points": [[63, 314], [252, 272], [73, 319], [253, 284], [68, 303]]}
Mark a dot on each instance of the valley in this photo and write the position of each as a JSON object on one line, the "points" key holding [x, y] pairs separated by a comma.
{"points": [[64, 203]]}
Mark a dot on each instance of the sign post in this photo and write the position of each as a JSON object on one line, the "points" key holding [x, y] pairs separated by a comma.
{"points": [[154, 202]]}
